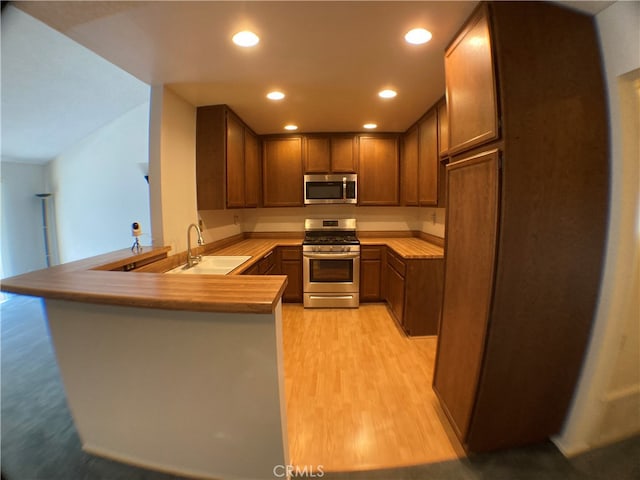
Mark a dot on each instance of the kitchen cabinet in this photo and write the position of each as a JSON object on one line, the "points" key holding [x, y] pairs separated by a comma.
{"points": [[470, 84], [267, 265], [419, 162], [252, 190], [235, 162], [226, 156], [409, 167], [371, 272], [443, 129], [379, 170], [442, 183], [282, 171], [395, 287], [428, 159], [290, 261], [413, 290], [330, 154], [526, 224]]}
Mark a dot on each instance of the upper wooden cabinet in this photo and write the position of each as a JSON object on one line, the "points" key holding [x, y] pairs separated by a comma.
{"points": [[471, 86], [378, 180], [235, 162], [409, 166], [282, 171], [419, 162], [330, 154], [428, 161], [443, 128], [227, 152], [252, 190]]}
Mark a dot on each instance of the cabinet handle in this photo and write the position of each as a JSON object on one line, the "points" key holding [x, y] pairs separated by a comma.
{"points": [[267, 255]]}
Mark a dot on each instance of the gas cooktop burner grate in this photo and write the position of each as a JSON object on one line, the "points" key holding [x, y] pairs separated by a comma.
{"points": [[324, 239]]}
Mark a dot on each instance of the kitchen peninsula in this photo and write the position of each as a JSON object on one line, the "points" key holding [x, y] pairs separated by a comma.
{"points": [[181, 373]]}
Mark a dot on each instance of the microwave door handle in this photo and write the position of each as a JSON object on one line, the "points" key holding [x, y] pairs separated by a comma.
{"points": [[344, 188]]}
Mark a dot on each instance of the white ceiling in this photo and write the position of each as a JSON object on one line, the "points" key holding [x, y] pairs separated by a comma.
{"points": [[54, 91], [330, 58]]}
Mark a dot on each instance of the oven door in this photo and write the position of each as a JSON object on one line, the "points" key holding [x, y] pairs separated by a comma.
{"points": [[331, 272]]}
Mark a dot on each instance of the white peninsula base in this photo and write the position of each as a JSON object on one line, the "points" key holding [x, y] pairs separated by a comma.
{"points": [[192, 393]]}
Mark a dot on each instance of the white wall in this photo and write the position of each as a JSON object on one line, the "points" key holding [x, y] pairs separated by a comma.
{"points": [[378, 219], [607, 399], [100, 189], [22, 234]]}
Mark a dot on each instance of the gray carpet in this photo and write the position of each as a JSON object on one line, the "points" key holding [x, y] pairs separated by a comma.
{"points": [[39, 441]]}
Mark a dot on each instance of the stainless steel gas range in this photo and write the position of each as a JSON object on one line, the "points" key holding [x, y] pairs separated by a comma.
{"points": [[331, 263]]}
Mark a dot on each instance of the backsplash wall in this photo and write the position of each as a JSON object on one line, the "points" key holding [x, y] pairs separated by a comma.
{"points": [[369, 218]]}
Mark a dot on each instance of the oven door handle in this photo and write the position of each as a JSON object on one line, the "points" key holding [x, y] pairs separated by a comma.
{"points": [[326, 256]]}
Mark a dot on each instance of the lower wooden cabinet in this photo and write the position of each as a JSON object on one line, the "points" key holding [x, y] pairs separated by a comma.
{"points": [[413, 292], [282, 261], [290, 260], [265, 266], [371, 272]]}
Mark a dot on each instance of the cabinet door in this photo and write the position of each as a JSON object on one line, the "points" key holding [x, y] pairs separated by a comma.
{"points": [[291, 266], [395, 293], [428, 160], [235, 162], [370, 273], [251, 169], [210, 157], [470, 84], [282, 172], [471, 225], [443, 129], [317, 155], [343, 154], [378, 181], [409, 167]]}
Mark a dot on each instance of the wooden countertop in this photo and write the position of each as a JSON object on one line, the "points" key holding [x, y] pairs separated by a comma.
{"points": [[93, 280], [87, 281], [406, 247]]}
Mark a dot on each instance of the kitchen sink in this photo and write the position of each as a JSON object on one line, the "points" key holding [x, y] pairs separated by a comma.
{"points": [[213, 265]]}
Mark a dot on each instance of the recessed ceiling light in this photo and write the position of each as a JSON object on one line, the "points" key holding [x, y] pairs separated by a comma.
{"points": [[370, 126], [275, 95], [387, 93], [245, 39], [418, 36], [290, 127]]}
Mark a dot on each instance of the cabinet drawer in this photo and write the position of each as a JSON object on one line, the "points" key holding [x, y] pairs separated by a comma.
{"points": [[396, 262], [370, 253], [290, 253]]}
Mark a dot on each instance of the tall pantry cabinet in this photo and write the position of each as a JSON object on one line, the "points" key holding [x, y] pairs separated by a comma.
{"points": [[527, 192]]}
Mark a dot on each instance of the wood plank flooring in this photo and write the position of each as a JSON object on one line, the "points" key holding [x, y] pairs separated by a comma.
{"points": [[359, 392]]}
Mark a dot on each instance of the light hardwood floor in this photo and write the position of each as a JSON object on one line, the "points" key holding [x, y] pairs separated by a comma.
{"points": [[359, 391]]}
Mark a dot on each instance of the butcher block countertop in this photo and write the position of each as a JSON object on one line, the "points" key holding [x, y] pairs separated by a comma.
{"points": [[88, 281], [106, 279], [406, 247]]}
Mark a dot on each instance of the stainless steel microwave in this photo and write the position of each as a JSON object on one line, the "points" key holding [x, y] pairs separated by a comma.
{"points": [[334, 188]]}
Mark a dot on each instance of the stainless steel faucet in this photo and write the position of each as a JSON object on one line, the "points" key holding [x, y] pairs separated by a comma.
{"points": [[193, 259]]}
